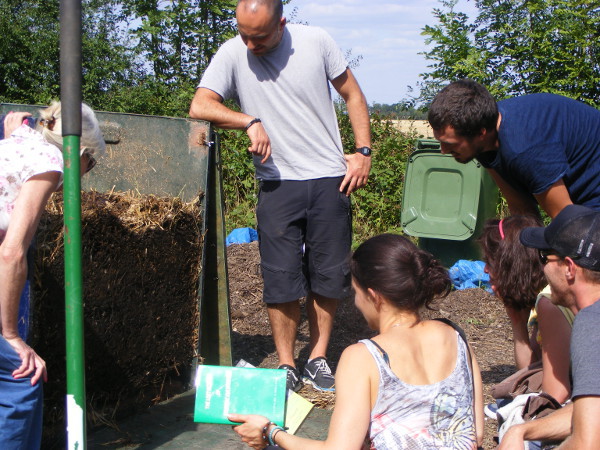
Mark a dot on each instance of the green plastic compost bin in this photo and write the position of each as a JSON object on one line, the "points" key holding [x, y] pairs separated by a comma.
{"points": [[445, 203], [173, 157]]}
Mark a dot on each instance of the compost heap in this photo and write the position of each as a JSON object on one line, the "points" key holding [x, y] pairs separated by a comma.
{"points": [[141, 262]]}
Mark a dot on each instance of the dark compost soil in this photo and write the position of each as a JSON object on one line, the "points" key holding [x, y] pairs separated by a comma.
{"points": [[480, 314], [141, 263]]}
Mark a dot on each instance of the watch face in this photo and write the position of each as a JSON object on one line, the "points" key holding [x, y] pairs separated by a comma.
{"points": [[364, 151]]}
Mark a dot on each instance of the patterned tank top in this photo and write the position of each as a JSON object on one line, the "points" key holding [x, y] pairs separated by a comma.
{"points": [[433, 416]]}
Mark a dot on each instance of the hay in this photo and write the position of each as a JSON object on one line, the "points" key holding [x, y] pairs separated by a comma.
{"points": [[141, 264]]}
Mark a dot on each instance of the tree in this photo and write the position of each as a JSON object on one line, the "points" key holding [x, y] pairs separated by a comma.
{"points": [[454, 52], [29, 63], [174, 41], [108, 62], [29, 52], [140, 56], [179, 38], [517, 47]]}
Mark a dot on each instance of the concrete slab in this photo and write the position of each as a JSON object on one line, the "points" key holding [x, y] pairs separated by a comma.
{"points": [[171, 425]]}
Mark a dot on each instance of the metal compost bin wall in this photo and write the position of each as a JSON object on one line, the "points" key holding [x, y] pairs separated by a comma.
{"points": [[173, 157], [178, 158], [152, 155]]}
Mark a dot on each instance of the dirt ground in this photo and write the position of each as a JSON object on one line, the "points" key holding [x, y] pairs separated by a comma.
{"points": [[141, 266], [477, 312]]}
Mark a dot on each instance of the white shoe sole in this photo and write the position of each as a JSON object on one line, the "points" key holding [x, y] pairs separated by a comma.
{"points": [[490, 414], [307, 380]]}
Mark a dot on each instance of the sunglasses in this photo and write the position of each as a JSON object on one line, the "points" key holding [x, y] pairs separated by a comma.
{"points": [[91, 161], [544, 255]]}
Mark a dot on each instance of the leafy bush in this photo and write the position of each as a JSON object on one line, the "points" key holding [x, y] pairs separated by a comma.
{"points": [[240, 187], [376, 207]]}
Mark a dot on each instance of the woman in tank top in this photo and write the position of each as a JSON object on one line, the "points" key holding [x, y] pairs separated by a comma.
{"points": [[412, 386]]}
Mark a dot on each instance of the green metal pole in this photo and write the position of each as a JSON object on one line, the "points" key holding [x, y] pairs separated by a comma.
{"points": [[76, 430], [70, 94]]}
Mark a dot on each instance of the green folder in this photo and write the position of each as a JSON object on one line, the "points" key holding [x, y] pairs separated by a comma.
{"points": [[222, 390]]}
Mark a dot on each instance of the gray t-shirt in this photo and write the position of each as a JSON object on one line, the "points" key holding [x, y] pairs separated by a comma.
{"points": [[585, 358], [288, 90]]}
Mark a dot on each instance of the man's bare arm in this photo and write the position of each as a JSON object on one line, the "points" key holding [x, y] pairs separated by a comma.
{"points": [[554, 427], [359, 166], [554, 199], [517, 202], [208, 105], [586, 424]]}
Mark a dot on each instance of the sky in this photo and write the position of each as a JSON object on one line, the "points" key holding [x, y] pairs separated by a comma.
{"points": [[386, 33]]}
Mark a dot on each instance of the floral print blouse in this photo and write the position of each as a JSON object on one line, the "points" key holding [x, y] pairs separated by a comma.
{"points": [[23, 155]]}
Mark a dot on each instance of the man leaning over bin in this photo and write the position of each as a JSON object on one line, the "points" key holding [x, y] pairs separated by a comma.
{"points": [[542, 148], [570, 251], [280, 74]]}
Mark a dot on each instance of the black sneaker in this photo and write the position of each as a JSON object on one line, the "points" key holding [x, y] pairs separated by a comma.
{"points": [[318, 373], [293, 378]]}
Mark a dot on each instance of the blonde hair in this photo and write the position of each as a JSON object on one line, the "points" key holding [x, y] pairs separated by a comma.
{"points": [[92, 141]]}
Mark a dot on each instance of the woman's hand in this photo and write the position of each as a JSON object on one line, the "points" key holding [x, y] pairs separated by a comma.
{"points": [[31, 362], [12, 121], [251, 429]]}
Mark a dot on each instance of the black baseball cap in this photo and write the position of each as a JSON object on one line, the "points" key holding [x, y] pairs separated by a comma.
{"points": [[574, 232]]}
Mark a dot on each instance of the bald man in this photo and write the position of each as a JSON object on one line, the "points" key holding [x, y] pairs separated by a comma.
{"points": [[280, 75]]}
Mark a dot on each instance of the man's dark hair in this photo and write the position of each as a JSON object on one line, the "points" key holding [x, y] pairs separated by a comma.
{"points": [[466, 106], [276, 6]]}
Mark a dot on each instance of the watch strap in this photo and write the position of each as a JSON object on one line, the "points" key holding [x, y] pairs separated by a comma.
{"points": [[366, 151], [252, 122]]}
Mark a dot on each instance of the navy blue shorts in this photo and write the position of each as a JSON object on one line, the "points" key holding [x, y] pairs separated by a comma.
{"points": [[305, 236]]}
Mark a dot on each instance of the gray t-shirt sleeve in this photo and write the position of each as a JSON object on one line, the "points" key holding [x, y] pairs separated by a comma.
{"points": [[585, 358], [219, 75], [335, 62]]}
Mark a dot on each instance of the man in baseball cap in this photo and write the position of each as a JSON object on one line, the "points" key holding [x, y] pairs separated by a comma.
{"points": [[570, 251]]}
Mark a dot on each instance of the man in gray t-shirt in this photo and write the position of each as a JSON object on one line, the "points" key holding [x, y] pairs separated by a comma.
{"points": [[570, 251], [280, 75]]}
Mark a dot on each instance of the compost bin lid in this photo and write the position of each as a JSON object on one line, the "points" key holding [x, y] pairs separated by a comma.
{"points": [[441, 196]]}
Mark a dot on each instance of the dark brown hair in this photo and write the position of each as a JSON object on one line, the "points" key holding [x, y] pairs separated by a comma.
{"points": [[466, 106], [400, 271], [515, 270]]}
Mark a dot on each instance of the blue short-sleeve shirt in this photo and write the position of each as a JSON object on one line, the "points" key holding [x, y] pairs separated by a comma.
{"points": [[546, 137]]}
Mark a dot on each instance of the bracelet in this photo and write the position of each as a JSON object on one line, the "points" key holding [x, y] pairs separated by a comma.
{"points": [[273, 432], [265, 428], [252, 122]]}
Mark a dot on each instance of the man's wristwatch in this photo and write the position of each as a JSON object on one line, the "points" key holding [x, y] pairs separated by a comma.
{"points": [[366, 151]]}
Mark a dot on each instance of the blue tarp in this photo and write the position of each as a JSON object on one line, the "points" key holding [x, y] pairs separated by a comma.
{"points": [[241, 236], [469, 274]]}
